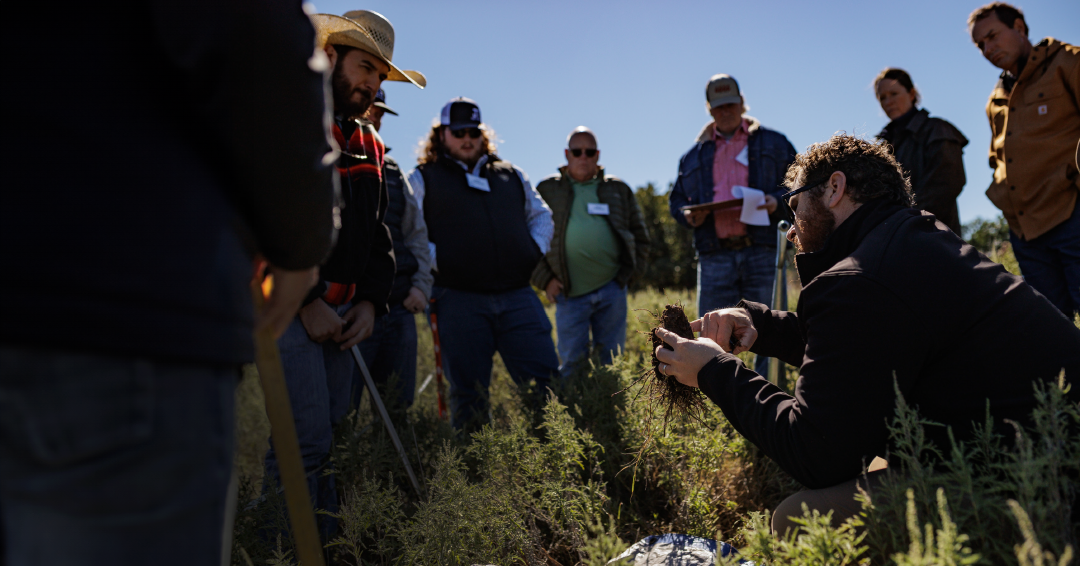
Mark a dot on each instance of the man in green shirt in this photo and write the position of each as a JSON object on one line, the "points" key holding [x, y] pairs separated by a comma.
{"points": [[600, 245]]}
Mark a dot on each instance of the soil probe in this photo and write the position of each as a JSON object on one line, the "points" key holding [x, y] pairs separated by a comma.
{"points": [[386, 418]]}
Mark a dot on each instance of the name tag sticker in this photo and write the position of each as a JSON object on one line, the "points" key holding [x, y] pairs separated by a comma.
{"points": [[478, 183], [599, 208]]}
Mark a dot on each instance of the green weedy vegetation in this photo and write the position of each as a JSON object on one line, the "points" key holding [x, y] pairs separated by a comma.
{"points": [[565, 483]]}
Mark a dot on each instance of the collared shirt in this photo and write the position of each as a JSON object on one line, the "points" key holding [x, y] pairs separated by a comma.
{"points": [[728, 172], [537, 213]]}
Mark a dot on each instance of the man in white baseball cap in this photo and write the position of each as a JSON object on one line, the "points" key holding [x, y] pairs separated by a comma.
{"points": [[488, 228]]}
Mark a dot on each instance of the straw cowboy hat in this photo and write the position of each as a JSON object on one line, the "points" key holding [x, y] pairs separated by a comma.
{"points": [[367, 30]]}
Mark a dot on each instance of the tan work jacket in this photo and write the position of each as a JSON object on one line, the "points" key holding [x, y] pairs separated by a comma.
{"points": [[1034, 132]]}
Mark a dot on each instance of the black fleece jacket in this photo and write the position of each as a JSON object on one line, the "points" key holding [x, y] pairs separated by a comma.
{"points": [[892, 296], [148, 153]]}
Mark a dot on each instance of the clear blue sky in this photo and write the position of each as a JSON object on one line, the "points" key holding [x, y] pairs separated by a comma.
{"points": [[635, 72]]}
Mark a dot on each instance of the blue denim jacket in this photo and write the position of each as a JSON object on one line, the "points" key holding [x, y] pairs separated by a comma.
{"points": [[770, 155]]}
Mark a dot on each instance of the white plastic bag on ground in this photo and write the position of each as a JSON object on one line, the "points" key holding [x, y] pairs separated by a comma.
{"points": [[675, 550]]}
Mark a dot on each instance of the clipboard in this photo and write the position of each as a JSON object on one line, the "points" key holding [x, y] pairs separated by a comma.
{"points": [[710, 206]]}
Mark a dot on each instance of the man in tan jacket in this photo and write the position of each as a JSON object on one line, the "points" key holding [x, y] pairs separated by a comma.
{"points": [[1034, 114]]}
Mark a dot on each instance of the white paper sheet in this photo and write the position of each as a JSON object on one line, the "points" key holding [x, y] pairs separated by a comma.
{"points": [[743, 157], [752, 199]]}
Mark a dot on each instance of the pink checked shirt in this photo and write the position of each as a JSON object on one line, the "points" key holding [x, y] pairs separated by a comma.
{"points": [[727, 173]]}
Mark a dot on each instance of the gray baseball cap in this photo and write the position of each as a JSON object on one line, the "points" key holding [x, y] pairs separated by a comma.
{"points": [[722, 89]]}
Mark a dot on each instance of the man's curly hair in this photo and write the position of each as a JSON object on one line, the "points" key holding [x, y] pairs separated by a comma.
{"points": [[872, 172], [431, 146]]}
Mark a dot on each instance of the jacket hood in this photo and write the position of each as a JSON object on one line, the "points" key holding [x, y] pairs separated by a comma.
{"points": [[706, 132], [1050, 45]]}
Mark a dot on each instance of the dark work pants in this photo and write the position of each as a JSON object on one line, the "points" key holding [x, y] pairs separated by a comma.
{"points": [[390, 351], [472, 327], [112, 460], [1051, 263]]}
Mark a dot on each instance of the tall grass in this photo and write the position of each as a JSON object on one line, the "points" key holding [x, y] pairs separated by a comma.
{"points": [[559, 484]]}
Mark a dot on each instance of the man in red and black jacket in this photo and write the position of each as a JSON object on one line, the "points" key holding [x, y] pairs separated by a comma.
{"points": [[357, 278]]}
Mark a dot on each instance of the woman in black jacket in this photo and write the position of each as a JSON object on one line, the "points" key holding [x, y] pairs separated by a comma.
{"points": [[930, 150]]}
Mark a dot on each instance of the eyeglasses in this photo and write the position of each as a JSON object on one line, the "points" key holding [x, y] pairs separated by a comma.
{"points": [[804, 188], [588, 152], [473, 133]]}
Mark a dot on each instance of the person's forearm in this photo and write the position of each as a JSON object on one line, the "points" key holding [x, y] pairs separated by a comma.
{"points": [[773, 421], [676, 200], [542, 274], [378, 278], [779, 335]]}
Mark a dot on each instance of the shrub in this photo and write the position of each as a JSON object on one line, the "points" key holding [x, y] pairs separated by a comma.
{"points": [[568, 484], [672, 262]]}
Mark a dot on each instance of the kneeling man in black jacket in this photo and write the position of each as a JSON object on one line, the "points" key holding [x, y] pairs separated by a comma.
{"points": [[888, 292]]}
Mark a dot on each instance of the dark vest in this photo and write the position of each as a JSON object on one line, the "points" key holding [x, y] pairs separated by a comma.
{"points": [[482, 241], [395, 214]]}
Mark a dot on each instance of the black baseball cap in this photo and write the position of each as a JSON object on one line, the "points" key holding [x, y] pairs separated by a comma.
{"points": [[461, 113], [380, 101]]}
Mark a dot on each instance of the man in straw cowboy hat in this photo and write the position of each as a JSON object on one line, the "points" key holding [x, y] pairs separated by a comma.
{"points": [[123, 332], [356, 279]]}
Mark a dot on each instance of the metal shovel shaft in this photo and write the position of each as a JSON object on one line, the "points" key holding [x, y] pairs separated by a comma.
{"points": [[386, 418], [779, 287]]}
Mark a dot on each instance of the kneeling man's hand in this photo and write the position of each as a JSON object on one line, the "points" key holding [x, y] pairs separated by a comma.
{"points": [[729, 327], [688, 357]]}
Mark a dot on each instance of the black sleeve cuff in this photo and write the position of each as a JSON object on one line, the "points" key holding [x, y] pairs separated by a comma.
{"points": [[713, 375]]}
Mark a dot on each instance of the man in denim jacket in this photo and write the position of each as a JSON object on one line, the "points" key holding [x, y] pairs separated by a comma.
{"points": [[735, 260]]}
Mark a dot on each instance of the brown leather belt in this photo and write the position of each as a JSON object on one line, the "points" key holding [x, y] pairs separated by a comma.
{"points": [[736, 242]]}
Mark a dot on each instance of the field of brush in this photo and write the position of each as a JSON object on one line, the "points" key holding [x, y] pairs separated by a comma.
{"points": [[569, 483]]}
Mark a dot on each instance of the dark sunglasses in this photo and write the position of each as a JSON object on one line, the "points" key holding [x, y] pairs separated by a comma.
{"points": [[588, 152], [473, 133], [803, 189]]}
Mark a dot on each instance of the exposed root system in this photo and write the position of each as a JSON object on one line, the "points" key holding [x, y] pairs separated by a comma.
{"points": [[665, 391]]}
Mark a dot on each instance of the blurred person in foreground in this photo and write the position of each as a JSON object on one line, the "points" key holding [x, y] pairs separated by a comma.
{"points": [[356, 279], [869, 264], [734, 151], [1034, 113], [488, 228], [129, 234], [600, 245], [930, 150], [391, 348]]}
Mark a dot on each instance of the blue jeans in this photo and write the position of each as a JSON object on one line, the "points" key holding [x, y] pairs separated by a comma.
{"points": [[727, 276], [472, 327], [112, 460], [391, 350], [604, 311], [319, 379], [1051, 263]]}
